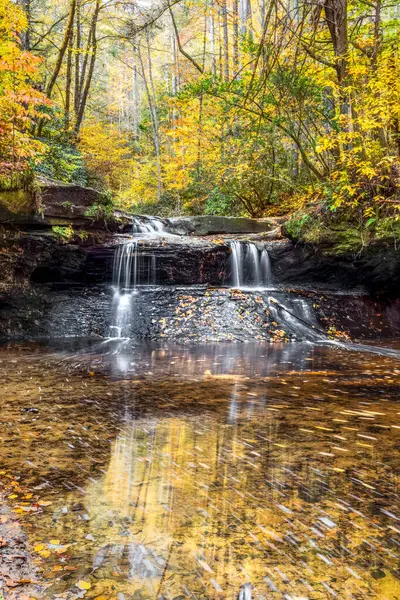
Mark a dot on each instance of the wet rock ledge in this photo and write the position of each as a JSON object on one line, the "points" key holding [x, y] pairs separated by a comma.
{"points": [[53, 284]]}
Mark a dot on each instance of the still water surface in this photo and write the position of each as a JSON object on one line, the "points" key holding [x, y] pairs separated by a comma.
{"points": [[187, 472]]}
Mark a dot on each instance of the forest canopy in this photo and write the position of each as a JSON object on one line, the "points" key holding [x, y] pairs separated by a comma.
{"points": [[250, 107]]}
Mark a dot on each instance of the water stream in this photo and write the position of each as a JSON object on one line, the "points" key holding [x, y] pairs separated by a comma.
{"points": [[150, 225], [143, 470], [205, 473], [250, 266], [131, 269]]}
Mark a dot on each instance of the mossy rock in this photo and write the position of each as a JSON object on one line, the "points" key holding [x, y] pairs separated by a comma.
{"points": [[19, 202]]}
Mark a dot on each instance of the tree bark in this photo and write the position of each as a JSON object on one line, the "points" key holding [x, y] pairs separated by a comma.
{"points": [[135, 107], [336, 20], [212, 39], [26, 36], [377, 34]]}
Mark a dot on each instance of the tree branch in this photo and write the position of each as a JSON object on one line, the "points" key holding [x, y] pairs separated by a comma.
{"points": [[181, 50]]}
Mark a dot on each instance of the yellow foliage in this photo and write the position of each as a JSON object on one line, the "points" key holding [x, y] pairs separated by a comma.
{"points": [[107, 154], [19, 101]]}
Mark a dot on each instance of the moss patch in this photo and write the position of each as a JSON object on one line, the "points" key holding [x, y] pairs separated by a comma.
{"points": [[340, 235], [18, 201]]}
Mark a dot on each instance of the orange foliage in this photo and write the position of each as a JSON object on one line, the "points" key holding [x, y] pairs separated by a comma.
{"points": [[19, 100]]}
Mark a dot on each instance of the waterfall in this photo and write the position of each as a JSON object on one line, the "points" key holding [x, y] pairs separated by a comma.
{"points": [[150, 225], [124, 256], [266, 266], [255, 264], [296, 316], [250, 267], [237, 263], [130, 270]]}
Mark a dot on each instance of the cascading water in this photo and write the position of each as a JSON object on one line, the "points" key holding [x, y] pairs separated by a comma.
{"points": [[265, 262], [237, 263], [125, 257], [250, 266], [150, 225], [132, 269], [296, 317]]}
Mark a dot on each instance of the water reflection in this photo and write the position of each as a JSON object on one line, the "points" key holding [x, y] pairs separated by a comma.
{"points": [[272, 468]]}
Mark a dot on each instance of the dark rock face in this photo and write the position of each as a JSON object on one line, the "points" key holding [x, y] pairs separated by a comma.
{"points": [[186, 261], [43, 257], [377, 268], [210, 225], [34, 256], [186, 314]]}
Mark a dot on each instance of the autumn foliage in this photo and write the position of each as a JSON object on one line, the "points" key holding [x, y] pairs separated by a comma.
{"points": [[19, 100], [219, 106]]}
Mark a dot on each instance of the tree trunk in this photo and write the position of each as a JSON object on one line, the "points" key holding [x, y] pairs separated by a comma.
{"points": [[262, 13], [153, 117], [235, 44], [212, 39], [226, 39], [26, 36], [82, 77], [135, 107], [77, 57], [86, 88], [249, 18], [68, 84], [377, 34], [63, 48], [336, 19]]}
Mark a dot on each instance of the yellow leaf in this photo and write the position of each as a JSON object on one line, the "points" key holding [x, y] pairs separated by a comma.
{"points": [[38, 547], [55, 542], [83, 585], [45, 553]]}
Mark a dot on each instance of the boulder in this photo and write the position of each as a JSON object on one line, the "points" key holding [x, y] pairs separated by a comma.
{"points": [[210, 225], [66, 200]]}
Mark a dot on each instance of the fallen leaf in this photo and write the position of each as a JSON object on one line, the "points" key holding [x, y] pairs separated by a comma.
{"points": [[83, 585]]}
